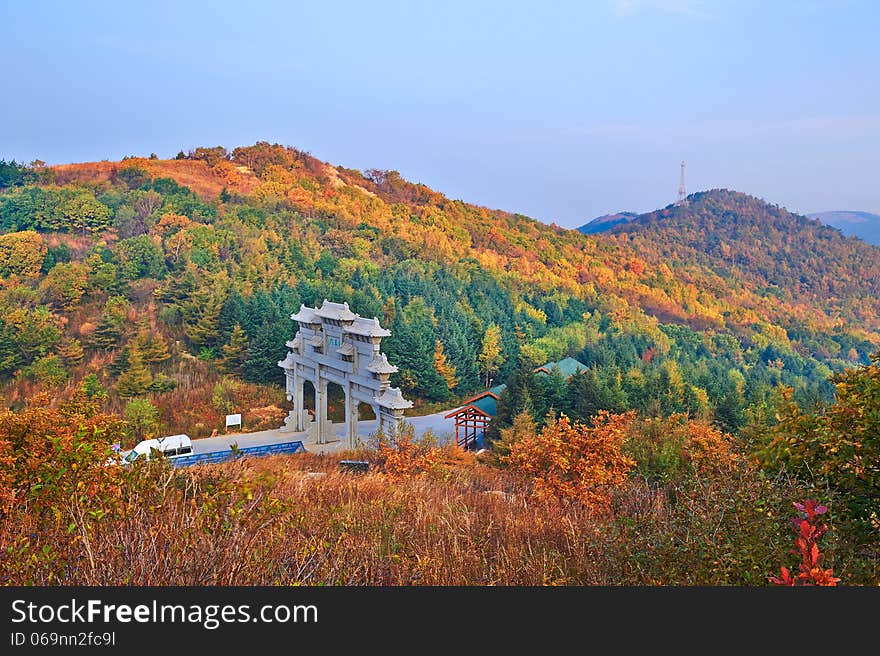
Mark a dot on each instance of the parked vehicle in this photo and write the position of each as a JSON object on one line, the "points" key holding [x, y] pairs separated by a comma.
{"points": [[172, 446]]}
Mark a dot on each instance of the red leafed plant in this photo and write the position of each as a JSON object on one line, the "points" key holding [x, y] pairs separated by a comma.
{"points": [[809, 527]]}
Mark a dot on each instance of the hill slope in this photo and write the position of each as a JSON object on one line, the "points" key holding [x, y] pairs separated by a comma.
{"points": [[171, 282], [864, 225], [759, 246]]}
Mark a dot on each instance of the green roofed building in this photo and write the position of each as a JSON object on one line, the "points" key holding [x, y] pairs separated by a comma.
{"points": [[474, 415], [567, 367]]}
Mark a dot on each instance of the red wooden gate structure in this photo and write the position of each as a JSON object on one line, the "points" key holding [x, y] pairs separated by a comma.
{"points": [[474, 415]]}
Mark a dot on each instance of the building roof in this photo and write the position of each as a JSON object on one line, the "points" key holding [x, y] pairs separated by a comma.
{"points": [[345, 349], [486, 401], [392, 397], [487, 404], [367, 328], [380, 365], [335, 311], [492, 391], [305, 315], [496, 391], [568, 367], [316, 340]]}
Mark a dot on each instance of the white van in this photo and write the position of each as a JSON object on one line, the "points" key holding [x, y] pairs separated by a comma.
{"points": [[171, 446]]}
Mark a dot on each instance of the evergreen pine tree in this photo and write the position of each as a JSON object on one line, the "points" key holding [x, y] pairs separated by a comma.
{"points": [[203, 331], [462, 352], [154, 350], [232, 313], [106, 335], [580, 396], [71, 351], [120, 362], [553, 391], [519, 396], [135, 380], [266, 349], [235, 352], [260, 311], [522, 427], [729, 411], [412, 351]]}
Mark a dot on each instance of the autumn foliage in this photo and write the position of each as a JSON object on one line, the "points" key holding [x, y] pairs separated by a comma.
{"points": [[837, 445], [214, 249], [127, 289], [675, 447], [401, 455], [809, 528], [576, 461], [52, 476], [420, 515]]}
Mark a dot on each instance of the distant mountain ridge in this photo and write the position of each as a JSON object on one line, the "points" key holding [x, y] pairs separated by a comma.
{"points": [[864, 225], [606, 222], [747, 241]]}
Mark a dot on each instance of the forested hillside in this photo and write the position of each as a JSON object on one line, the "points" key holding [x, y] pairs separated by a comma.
{"points": [[163, 288], [755, 245]]}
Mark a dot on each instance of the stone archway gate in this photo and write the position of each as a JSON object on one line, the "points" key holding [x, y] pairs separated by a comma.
{"points": [[335, 345]]}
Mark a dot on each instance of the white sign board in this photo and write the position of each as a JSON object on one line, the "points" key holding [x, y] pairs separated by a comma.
{"points": [[233, 420]]}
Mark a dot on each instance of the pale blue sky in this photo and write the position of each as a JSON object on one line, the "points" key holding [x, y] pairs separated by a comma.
{"points": [[559, 110]]}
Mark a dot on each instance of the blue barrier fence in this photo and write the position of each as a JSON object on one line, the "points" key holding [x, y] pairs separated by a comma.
{"points": [[251, 451]]}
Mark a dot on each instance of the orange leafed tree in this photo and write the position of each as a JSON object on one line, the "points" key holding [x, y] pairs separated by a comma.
{"points": [[7, 478], [402, 456], [574, 460], [708, 449]]}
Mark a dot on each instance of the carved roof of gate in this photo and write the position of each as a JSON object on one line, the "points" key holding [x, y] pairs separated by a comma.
{"points": [[335, 311], [367, 328]]}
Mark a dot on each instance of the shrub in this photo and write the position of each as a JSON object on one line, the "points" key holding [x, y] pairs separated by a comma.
{"points": [[671, 448], [809, 528], [142, 419], [576, 461], [400, 455], [48, 370], [837, 445], [22, 253]]}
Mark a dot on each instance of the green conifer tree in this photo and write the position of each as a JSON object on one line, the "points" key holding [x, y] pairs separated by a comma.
{"points": [[106, 335], [235, 352], [203, 331], [71, 351], [154, 350], [135, 380]]}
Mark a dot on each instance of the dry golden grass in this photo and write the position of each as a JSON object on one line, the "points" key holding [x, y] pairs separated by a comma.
{"points": [[195, 174], [420, 515], [301, 520]]}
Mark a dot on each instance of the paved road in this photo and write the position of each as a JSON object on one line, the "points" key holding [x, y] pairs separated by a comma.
{"points": [[443, 429]]}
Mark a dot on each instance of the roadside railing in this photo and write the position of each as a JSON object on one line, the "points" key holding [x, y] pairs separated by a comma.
{"points": [[229, 454]]}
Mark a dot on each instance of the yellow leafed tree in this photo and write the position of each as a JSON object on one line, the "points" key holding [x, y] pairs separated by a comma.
{"points": [[443, 367], [490, 354]]}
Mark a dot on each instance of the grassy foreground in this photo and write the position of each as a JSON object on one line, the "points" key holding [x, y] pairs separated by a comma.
{"points": [[300, 520], [622, 500]]}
